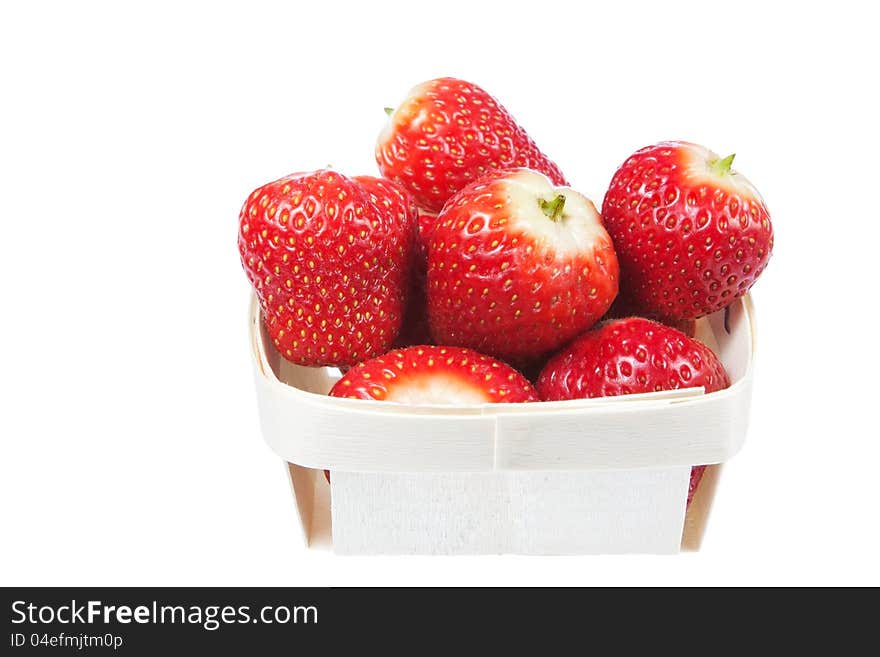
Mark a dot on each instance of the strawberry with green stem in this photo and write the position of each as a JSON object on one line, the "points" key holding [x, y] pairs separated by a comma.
{"points": [[517, 267], [446, 134], [691, 233]]}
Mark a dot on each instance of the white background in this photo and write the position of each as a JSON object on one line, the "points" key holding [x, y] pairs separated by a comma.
{"points": [[130, 138]]}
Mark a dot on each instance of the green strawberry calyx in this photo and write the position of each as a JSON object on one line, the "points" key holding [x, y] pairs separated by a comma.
{"points": [[553, 209], [389, 111], [721, 166]]}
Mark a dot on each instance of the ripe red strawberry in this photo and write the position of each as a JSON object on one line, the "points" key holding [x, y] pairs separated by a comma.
{"points": [[691, 234], [518, 267], [435, 375], [329, 258], [628, 356], [446, 134]]}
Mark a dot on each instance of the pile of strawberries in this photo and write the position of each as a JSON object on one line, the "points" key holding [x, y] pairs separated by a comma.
{"points": [[471, 271]]}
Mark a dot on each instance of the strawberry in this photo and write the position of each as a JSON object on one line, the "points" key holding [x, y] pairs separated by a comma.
{"points": [[446, 134], [628, 356], [435, 375], [691, 234], [518, 267], [329, 258]]}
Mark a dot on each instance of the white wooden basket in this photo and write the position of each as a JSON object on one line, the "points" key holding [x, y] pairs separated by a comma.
{"points": [[591, 476]]}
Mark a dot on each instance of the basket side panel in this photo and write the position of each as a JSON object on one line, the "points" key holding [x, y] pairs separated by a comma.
{"points": [[635, 511]]}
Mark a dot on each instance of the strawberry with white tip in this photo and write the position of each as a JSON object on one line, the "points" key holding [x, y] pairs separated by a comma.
{"points": [[435, 375], [446, 134], [692, 234], [517, 267]]}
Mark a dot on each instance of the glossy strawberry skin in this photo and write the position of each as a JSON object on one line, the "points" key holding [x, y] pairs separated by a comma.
{"points": [[490, 380], [689, 242], [500, 290], [630, 356], [446, 134], [329, 258], [391, 197]]}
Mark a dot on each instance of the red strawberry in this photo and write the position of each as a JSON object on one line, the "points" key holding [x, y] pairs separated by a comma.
{"points": [[435, 375], [329, 258], [628, 356], [446, 134], [691, 234], [518, 267]]}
